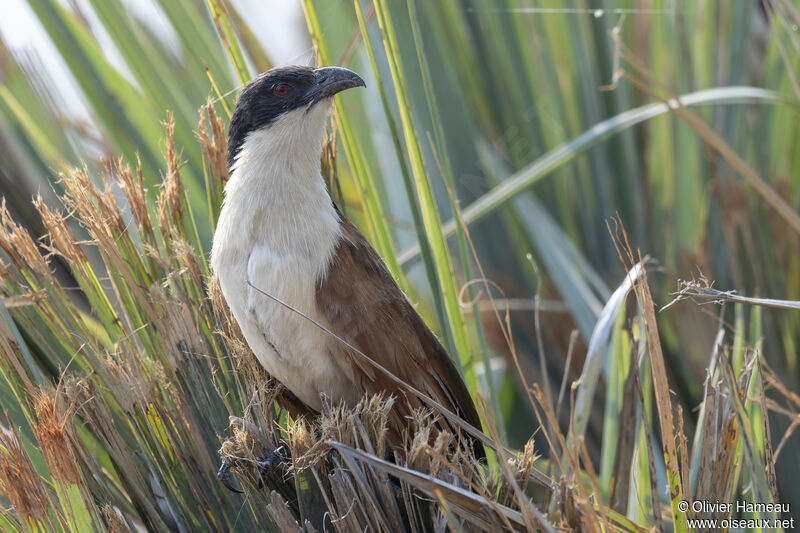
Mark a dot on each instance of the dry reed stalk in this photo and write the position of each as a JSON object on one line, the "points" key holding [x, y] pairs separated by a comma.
{"points": [[170, 205], [659, 376], [18, 245], [214, 144], [19, 481], [50, 431]]}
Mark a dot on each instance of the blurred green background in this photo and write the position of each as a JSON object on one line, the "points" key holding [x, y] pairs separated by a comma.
{"points": [[518, 108]]}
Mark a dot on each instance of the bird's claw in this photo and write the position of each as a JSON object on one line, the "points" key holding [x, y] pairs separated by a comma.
{"points": [[224, 476], [278, 460]]}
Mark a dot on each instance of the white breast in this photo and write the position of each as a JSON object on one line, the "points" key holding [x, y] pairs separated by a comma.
{"points": [[278, 229]]}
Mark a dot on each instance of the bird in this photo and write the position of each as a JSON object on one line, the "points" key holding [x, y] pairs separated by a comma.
{"points": [[331, 298]]}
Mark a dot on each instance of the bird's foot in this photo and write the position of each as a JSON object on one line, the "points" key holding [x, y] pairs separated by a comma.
{"points": [[274, 464], [224, 475]]}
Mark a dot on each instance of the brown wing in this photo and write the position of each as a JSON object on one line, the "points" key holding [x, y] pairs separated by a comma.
{"points": [[363, 305]]}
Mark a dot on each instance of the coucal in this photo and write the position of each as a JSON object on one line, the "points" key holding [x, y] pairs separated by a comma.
{"points": [[280, 233]]}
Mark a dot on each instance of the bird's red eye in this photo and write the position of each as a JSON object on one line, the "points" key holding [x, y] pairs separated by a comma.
{"points": [[282, 89]]}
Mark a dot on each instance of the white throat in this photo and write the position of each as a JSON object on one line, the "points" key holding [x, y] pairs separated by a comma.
{"points": [[276, 192]]}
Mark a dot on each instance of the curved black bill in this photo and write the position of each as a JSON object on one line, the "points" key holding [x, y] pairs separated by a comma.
{"points": [[331, 80]]}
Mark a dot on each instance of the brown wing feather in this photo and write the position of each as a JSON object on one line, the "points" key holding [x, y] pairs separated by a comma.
{"points": [[363, 304]]}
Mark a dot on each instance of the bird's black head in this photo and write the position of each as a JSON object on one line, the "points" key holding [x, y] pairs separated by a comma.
{"points": [[279, 91]]}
